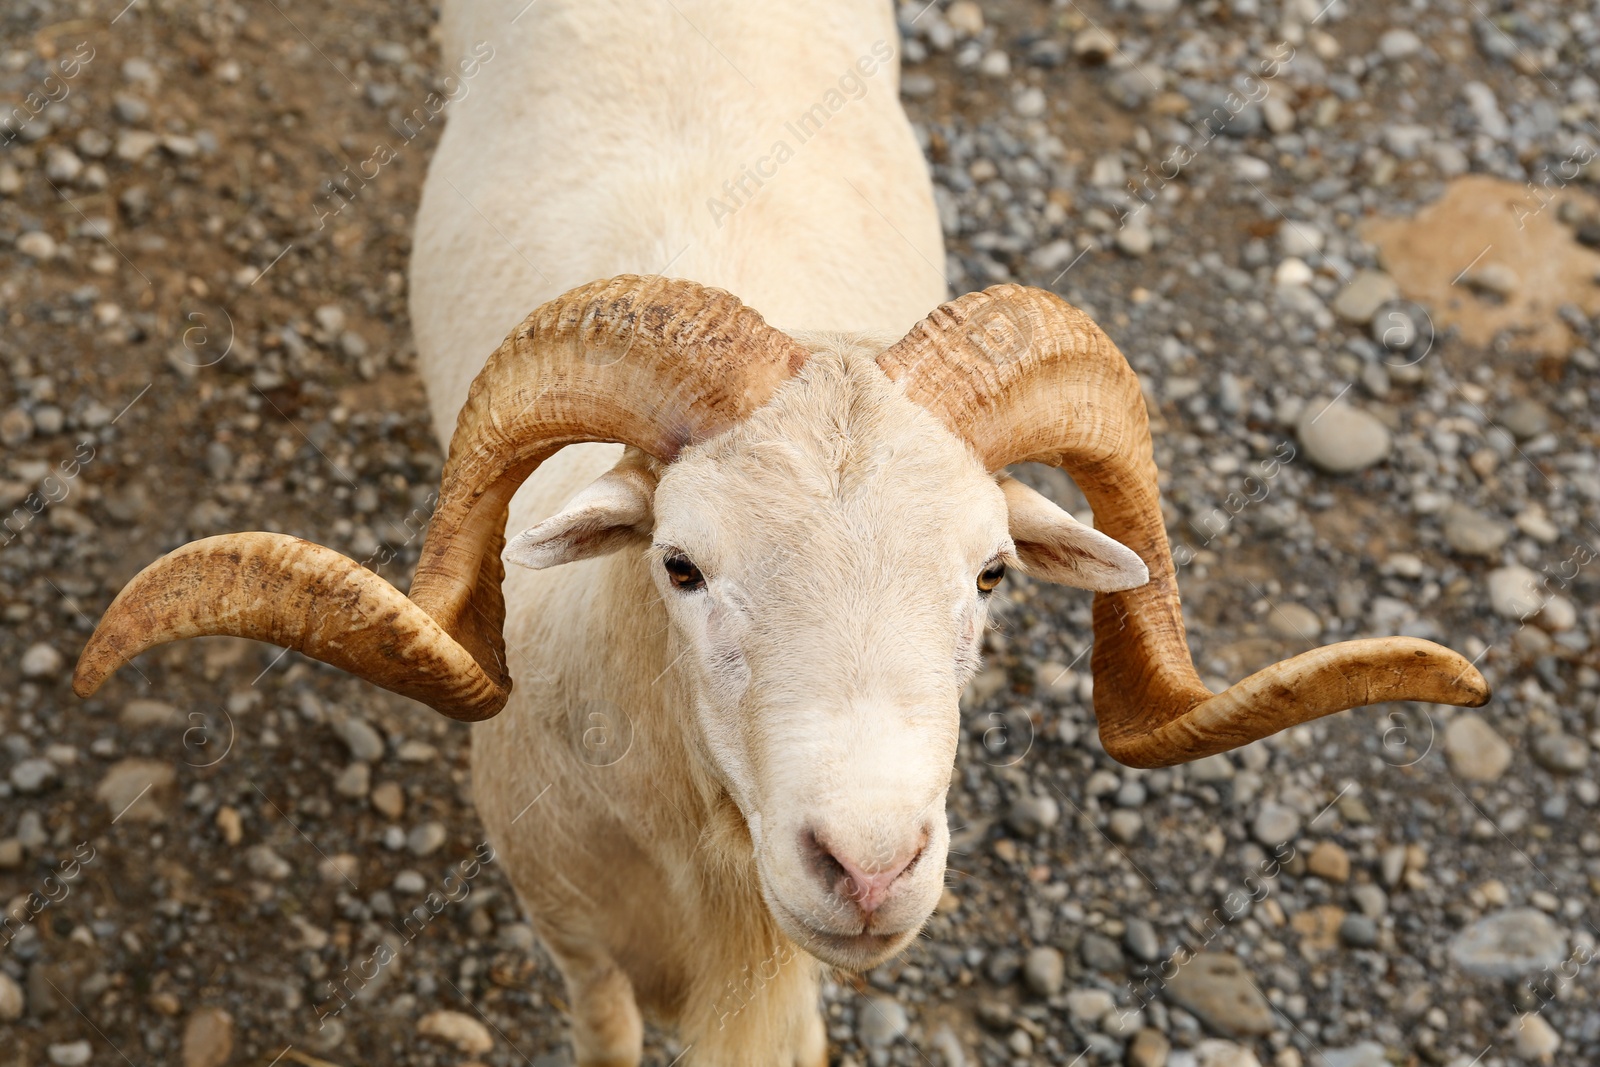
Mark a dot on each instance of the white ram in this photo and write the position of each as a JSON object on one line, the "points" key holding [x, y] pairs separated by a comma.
{"points": [[736, 717]]}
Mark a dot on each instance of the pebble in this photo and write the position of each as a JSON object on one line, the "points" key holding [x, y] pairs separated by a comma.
{"points": [[143, 714], [1561, 753], [1368, 291], [1149, 1048], [1341, 439], [880, 1021], [354, 781], [1140, 939], [32, 775], [37, 244], [1093, 45], [1086, 1006], [131, 787], [1125, 826], [1274, 824], [11, 999], [1361, 1054], [426, 839], [134, 145], [1370, 899], [388, 799], [1292, 272], [1514, 591], [1534, 1039], [71, 1054], [1219, 991], [1044, 971], [1399, 44], [266, 863], [1475, 751], [208, 1038], [1135, 239], [1509, 944], [1033, 813], [965, 17], [1289, 621], [1329, 861], [1214, 1053], [360, 737], [1100, 953], [41, 661], [1358, 931], [463, 1031], [1470, 532], [1525, 418]]}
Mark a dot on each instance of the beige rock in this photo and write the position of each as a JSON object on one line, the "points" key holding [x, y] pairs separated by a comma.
{"points": [[134, 788], [1329, 861], [208, 1038], [1474, 750], [463, 1031]]}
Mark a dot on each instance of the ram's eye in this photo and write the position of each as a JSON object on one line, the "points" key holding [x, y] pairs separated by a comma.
{"points": [[684, 574], [991, 576]]}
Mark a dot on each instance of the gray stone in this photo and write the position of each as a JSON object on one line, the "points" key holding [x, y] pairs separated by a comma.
{"points": [[1218, 990], [263, 862], [1368, 291], [1100, 953], [1125, 826], [143, 714], [1341, 439], [33, 775], [1044, 971], [71, 1054], [354, 781], [880, 1020], [1474, 750], [359, 736], [1274, 824], [1141, 940], [1399, 44], [1514, 591], [1561, 753], [1509, 944], [1525, 418], [1032, 814], [11, 1000], [426, 839], [1362, 1054], [41, 661], [1358, 931], [1470, 532]]}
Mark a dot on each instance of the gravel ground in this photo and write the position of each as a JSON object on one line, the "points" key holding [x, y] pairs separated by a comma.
{"points": [[1373, 416]]}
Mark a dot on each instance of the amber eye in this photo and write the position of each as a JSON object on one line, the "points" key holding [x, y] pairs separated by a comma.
{"points": [[684, 574], [991, 576]]}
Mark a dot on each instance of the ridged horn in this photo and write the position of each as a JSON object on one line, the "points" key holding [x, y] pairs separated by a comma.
{"points": [[653, 363], [1024, 376]]}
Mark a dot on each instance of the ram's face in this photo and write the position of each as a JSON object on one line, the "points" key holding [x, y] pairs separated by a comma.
{"points": [[827, 566]]}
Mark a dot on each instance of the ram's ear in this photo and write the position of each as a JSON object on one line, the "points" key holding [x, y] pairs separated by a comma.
{"points": [[1056, 547], [613, 512]]}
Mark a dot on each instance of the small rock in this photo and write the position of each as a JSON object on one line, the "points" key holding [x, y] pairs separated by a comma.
{"points": [[1032, 814], [1301, 240], [1292, 272], [1141, 940], [1494, 279], [134, 145], [1399, 44], [965, 17], [359, 736], [1509, 944], [341, 868], [1086, 1006], [16, 426], [10, 853], [463, 1031], [1214, 1053], [880, 1021], [1289, 621], [354, 781], [1474, 750], [1329, 861], [1535, 1039], [389, 800], [37, 244], [1135, 239], [1514, 592], [11, 1001], [1149, 1048], [1341, 439], [1561, 753], [71, 1054], [1470, 532], [41, 661], [1125, 826], [1030, 103], [1361, 1054], [1093, 45], [130, 789], [208, 1038], [1217, 989], [1370, 899], [1525, 418], [1274, 824], [265, 863], [231, 824], [1358, 931], [426, 839], [32, 775], [1100, 953], [147, 714], [1368, 291], [1044, 971]]}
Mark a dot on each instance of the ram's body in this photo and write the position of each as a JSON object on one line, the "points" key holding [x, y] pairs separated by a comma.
{"points": [[593, 144]]}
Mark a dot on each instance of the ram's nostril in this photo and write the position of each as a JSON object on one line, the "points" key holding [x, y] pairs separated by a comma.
{"points": [[865, 883]]}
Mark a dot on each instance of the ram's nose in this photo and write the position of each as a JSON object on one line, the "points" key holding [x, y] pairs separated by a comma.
{"points": [[866, 878]]}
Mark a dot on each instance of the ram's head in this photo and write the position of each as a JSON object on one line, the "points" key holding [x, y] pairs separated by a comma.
{"points": [[825, 537]]}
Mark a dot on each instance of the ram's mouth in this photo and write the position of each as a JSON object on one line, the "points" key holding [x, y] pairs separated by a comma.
{"points": [[851, 951]]}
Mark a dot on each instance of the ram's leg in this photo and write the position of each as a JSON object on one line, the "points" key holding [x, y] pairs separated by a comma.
{"points": [[607, 1030], [813, 1050], [767, 1017]]}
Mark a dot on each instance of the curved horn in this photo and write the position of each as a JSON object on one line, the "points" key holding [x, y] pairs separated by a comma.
{"points": [[652, 363], [1023, 375]]}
